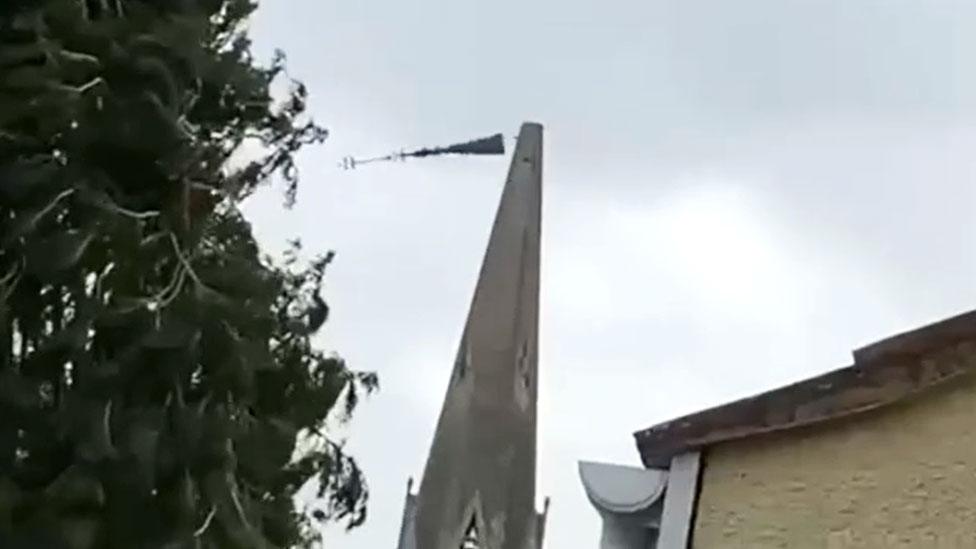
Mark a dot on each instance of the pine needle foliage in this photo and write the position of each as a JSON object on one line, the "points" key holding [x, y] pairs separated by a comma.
{"points": [[158, 382]]}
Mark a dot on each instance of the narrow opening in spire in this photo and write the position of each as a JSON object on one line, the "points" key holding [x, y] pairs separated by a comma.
{"points": [[463, 361], [523, 364], [472, 539]]}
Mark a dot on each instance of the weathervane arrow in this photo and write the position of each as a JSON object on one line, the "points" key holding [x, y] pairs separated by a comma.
{"points": [[493, 145]]}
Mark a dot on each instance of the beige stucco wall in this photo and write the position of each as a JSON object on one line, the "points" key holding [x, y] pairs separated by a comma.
{"points": [[904, 476]]}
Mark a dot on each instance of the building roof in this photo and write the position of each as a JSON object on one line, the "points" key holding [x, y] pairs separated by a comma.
{"points": [[884, 372]]}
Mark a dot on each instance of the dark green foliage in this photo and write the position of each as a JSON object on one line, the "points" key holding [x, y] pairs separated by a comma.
{"points": [[158, 385]]}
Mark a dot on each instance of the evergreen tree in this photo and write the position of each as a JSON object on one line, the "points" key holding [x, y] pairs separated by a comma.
{"points": [[158, 384]]}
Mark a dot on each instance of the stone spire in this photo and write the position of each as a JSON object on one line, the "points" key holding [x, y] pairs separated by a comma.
{"points": [[478, 488]]}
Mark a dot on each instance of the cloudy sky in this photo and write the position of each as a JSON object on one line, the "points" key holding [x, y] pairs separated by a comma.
{"points": [[737, 195]]}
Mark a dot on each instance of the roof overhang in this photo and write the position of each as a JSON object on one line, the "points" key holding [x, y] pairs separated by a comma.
{"points": [[883, 373]]}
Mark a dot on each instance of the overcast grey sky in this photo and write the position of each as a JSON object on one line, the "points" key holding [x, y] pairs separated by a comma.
{"points": [[736, 195]]}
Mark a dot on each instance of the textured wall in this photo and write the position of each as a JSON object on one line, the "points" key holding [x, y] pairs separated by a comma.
{"points": [[903, 476]]}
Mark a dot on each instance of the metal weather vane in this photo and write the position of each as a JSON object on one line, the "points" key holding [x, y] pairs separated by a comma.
{"points": [[493, 145]]}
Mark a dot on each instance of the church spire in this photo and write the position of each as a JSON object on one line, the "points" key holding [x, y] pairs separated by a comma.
{"points": [[478, 487]]}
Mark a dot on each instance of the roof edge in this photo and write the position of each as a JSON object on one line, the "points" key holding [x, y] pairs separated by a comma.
{"points": [[883, 372]]}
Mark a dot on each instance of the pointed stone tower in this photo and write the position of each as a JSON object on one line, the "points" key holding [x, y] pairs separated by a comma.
{"points": [[478, 488]]}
